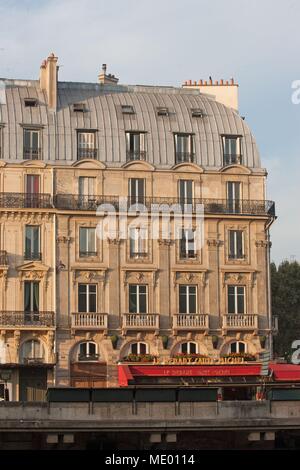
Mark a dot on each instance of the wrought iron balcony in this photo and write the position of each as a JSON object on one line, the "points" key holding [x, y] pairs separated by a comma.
{"points": [[24, 200], [181, 157], [237, 321], [140, 321], [3, 258], [87, 153], [28, 320], [210, 206], [135, 155], [32, 255], [33, 360], [230, 159], [88, 357], [190, 321], [89, 321], [32, 153], [86, 254]]}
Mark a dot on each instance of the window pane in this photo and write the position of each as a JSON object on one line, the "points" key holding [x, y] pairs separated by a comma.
{"points": [[82, 298], [83, 349], [193, 348], [132, 299], [184, 347], [192, 299], [231, 299], [143, 348], [182, 299], [134, 348], [233, 347], [92, 349], [82, 239], [35, 140], [241, 300], [143, 301], [241, 347]]}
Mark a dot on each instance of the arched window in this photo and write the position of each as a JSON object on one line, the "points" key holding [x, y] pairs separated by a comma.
{"points": [[32, 351], [238, 347], [189, 347], [88, 351], [138, 348]]}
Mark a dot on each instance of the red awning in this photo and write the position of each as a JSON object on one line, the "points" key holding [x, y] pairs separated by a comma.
{"points": [[283, 372], [128, 372]]}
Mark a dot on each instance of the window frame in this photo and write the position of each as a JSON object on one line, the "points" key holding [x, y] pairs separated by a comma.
{"points": [[235, 254], [87, 252], [189, 343], [86, 149], [87, 296], [188, 301], [138, 300], [31, 152], [236, 299], [187, 156], [139, 344], [231, 158], [32, 254]]}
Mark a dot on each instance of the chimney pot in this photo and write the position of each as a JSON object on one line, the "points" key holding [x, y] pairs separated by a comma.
{"points": [[200, 82], [232, 81]]}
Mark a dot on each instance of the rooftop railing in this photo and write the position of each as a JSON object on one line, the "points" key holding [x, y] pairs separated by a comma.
{"points": [[87, 153], [32, 153]]}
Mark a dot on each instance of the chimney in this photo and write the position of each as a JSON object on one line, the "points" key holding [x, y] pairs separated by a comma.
{"points": [[225, 92], [105, 79], [48, 80]]}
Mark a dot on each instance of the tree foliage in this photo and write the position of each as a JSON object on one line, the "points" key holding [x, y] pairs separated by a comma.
{"points": [[285, 287]]}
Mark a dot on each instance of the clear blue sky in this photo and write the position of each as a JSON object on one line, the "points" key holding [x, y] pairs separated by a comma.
{"points": [[168, 41]]}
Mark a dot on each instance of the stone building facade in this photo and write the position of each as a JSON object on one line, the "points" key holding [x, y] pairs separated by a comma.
{"points": [[73, 303]]}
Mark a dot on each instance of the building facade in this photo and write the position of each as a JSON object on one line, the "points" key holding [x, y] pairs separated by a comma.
{"points": [[75, 302]]}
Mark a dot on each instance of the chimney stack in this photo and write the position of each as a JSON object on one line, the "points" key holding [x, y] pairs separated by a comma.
{"points": [[48, 80], [226, 92], [105, 79]]}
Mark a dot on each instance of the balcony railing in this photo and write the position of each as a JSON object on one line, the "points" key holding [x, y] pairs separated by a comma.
{"points": [[140, 321], [86, 254], [135, 155], [182, 157], [89, 321], [210, 206], [240, 321], [87, 153], [24, 200], [32, 256], [190, 321], [15, 319], [31, 153], [232, 159], [3, 258]]}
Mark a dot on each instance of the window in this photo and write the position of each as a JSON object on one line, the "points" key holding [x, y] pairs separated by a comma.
{"points": [[32, 147], [32, 189], [234, 196], [138, 298], [137, 190], [185, 189], [32, 351], [30, 102], [127, 109], [138, 348], [86, 145], [184, 148], [32, 242], [87, 298], [232, 150], [197, 112], [236, 299], [1, 142], [86, 186], [138, 239], [31, 296], [189, 348], [187, 244], [187, 299], [135, 146], [236, 244], [88, 351], [79, 107], [162, 111], [87, 241], [238, 347]]}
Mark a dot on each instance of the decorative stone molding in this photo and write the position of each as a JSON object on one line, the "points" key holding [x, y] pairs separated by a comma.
{"points": [[17, 337], [3, 275], [92, 275], [213, 242], [165, 242], [242, 278], [143, 277], [63, 239], [33, 271], [113, 241], [263, 244], [26, 217], [196, 277]]}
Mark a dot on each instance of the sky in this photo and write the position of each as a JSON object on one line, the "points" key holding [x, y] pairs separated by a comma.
{"points": [[165, 42]]}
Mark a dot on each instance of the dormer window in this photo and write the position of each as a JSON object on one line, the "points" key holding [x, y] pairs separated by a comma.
{"points": [[30, 102], [184, 148], [162, 111], [197, 112], [79, 108], [232, 150], [135, 146], [127, 109]]}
